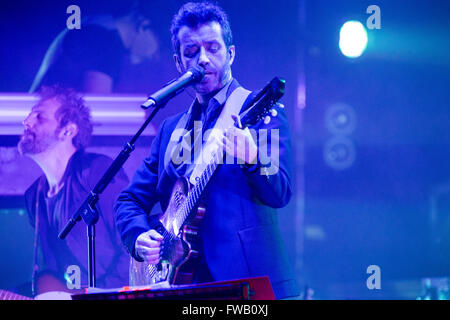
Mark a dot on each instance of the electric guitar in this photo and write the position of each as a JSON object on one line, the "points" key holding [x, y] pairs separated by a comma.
{"points": [[181, 221]]}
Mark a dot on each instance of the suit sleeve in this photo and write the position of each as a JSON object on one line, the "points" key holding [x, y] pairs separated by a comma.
{"points": [[270, 176], [135, 203]]}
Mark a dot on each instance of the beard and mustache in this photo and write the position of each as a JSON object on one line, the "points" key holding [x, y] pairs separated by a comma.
{"points": [[213, 81], [32, 143]]}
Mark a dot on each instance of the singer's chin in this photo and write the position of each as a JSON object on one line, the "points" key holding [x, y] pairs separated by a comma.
{"points": [[26, 146], [201, 88], [21, 147], [206, 87]]}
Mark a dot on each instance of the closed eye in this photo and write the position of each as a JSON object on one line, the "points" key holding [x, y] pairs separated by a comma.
{"points": [[214, 47], [190, 52]]}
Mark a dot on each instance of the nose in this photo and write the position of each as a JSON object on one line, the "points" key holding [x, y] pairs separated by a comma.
{"points": [[203, 59], [27, 122]]}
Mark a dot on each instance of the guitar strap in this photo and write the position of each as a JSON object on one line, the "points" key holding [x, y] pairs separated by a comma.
{"points": [[178, 141], [208, 152]]}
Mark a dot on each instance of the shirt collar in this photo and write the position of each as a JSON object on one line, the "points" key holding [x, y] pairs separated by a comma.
{"points": [[222, 95], [219, 99]]}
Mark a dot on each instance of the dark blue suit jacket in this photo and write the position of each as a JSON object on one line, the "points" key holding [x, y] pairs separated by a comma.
{"points": [[240, 231]]}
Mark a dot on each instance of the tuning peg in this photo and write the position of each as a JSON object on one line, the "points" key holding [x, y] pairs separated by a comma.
{"points": [[266, 119], [273, 112], [280, 105]]}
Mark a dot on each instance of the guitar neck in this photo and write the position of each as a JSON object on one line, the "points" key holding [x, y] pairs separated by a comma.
{"points": [[259, 107], [197, 190]]}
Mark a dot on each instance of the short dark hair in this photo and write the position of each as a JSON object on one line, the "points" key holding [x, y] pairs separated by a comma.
{"points": [[72, 109], [193, 14]]}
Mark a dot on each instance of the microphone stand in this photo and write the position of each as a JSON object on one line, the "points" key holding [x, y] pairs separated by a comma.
{"points": [[88, 210]]}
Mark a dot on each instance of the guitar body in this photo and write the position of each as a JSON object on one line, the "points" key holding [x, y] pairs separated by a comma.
{"points": [[180, 250]]}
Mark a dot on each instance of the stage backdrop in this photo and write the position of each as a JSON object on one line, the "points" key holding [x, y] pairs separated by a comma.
{"points": [[376, 150], [265, 38]]}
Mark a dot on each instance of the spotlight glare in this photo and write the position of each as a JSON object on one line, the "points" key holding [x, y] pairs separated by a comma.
{"points": [[353, 39]]}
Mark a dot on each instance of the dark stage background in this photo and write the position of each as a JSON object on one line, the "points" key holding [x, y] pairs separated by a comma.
{"points": [[371, 137]]}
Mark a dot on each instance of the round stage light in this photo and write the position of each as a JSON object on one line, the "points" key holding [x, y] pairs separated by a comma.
{"points": [[353, 39]]}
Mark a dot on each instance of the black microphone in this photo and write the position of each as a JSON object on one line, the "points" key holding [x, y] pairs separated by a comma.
{"points": [[175, 87]]}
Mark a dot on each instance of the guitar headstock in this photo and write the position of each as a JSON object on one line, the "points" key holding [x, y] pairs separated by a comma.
{"points": [[264, 104]]}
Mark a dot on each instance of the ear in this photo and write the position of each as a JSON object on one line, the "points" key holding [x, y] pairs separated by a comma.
{"points": [[231, 53], [178, 63], [69, 131]]}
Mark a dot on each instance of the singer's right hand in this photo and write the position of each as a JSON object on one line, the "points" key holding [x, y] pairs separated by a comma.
{"points": [[148, 246]]}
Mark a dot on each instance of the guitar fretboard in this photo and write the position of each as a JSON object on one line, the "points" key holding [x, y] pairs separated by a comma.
{"points": [[260, 106], [197, 190]]}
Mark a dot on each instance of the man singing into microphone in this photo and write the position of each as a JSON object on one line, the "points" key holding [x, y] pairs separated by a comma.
{"points": [[239, 236]]}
